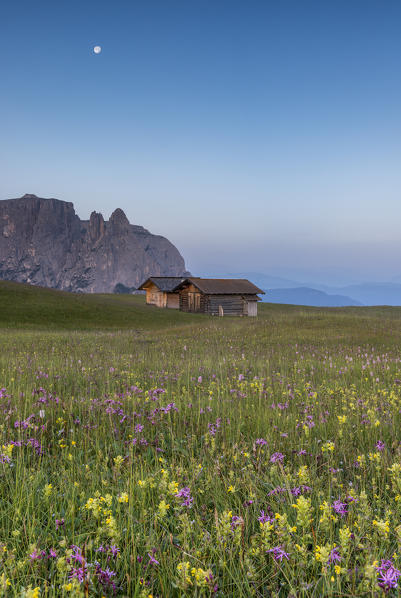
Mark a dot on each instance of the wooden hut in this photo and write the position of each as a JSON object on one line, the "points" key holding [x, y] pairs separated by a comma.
{"points": [[219, 297], [160, 291]]}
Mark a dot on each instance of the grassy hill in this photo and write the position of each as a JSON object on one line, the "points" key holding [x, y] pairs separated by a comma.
{"points": [[31, 307]]}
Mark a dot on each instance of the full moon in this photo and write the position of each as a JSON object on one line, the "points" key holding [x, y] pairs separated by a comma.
{"points": [[97, 49]]}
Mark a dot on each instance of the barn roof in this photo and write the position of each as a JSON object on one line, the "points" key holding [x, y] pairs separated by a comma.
{"points": [[222, 286], [163, 283]]}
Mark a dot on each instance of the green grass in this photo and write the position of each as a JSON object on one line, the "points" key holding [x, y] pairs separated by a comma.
{"points": [[30, 307], [109, 407]]}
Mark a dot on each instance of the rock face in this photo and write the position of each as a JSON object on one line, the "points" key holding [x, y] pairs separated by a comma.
{"points": [[43, 242]]}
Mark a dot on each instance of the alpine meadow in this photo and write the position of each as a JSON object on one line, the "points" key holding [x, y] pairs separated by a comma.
{"points": [[197, 456]]}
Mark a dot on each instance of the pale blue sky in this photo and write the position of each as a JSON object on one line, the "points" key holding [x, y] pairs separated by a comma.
{"points": [[257, 136]]}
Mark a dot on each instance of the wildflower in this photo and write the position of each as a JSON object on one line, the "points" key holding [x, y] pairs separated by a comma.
{"points": [[235, 521], [118, 461], [231, 489], [123, 497], [304, 508], [277, 457], [388, 575], [340, 508], [78, 573], [260, 442], [334, 556], [47, 490], [380, 445], [322, 553], [152, 560], [382, 527], [264, 518], [328, 447], [163, 508], [279, 554], [105, 577], [35, 555], [114, 550], [4, 581], [186, 494], [345, 536]]}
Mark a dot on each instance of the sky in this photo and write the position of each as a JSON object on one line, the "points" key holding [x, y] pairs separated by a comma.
{"points": [[260, 136]]}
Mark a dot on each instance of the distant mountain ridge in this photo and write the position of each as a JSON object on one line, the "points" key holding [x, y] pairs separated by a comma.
{"points": [[44, 242], [284, 290], [308, 296]]}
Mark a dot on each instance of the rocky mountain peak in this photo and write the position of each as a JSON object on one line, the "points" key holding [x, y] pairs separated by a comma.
{"points": [[29, 196], [96, 226], [118, 218], [43, 242]]}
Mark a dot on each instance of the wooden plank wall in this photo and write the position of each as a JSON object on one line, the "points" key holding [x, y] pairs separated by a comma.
{"points": [[233, 305], [173, 300]]}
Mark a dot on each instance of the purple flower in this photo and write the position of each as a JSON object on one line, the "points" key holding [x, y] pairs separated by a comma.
{"points": [[260, 442], [78, 573], [235, 521], [380, 445], [59, 523], [388, 575], [105, 577], [300, 489], [264, 518], [77, 554], [277, 457], [114, 550], [279, 554], [334, 556], [35, 555], [152, 560], [340, 508], [186, 494]]}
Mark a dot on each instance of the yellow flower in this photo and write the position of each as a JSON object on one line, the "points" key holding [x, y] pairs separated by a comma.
{"points": [[4, 581], [32, 593], [118, 461], [382, 527], [231, 489], [47, 490], [328, 447], [163, 508], [123, 497]]}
